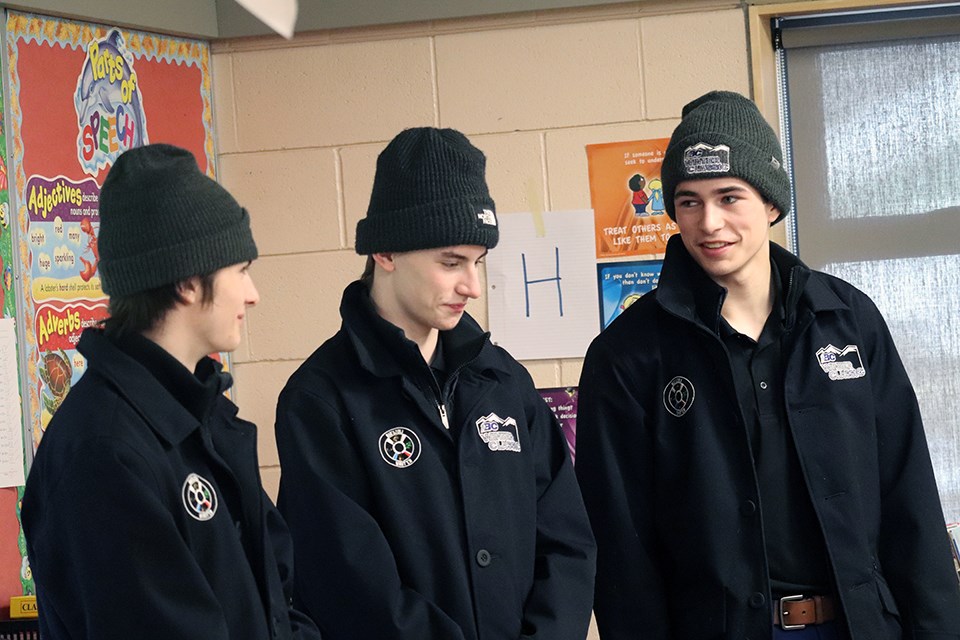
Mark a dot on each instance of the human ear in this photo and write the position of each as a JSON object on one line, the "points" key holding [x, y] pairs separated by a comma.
{"points": [[385, 260], [189, 290], [772, 213]]}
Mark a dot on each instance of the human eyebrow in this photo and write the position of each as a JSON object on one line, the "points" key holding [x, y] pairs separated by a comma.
{"points": [[452, 255], [734, 188]]}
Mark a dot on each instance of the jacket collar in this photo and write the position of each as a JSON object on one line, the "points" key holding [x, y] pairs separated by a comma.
{"points": [[686, 290], [170, 419], [385, 351]]}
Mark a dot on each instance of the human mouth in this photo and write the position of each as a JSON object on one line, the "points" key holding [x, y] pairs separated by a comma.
{"points": [[457, 308]]}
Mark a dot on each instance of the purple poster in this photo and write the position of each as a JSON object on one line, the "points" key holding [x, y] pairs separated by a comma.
{"points": [[563, 402]]}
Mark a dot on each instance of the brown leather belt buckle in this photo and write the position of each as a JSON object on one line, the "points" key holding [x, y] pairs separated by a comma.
{"points": [[784, 614]]}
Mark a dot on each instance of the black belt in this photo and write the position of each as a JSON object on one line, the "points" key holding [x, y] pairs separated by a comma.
{"points": [[796, 612]]}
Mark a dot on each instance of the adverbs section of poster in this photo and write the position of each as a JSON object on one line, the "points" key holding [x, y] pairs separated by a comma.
{"points": [[627, 197], [563, 402], [623, 283], [540, 289], [82, 94]]}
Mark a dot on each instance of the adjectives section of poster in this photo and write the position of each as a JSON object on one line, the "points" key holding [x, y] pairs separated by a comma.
{"points": [[80, 95]]}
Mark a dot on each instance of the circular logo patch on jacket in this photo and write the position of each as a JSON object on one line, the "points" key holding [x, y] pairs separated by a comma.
{"points": [[678, 396], [199, 497], [400, 447]]}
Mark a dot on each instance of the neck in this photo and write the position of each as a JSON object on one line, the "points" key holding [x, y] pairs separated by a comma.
{"points": [[177, 343], [749, 303], [386, 307], [428, 346]]}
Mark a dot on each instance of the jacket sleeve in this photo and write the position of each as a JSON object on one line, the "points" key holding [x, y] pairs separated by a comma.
{"points": [[914, 550], [109, 559], [301, 625], [559, 603], [615, 467], [346, 575]]}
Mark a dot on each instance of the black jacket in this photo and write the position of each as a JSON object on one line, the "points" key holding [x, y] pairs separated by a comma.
{"points": [[664, 462], [407, 530], [142, 522]]}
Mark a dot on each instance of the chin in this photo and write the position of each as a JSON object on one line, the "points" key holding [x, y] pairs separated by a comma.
{"points": [[448, 324], [229, 346]]}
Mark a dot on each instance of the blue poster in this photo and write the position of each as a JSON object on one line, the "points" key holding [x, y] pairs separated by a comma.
{"points": [[622, 283]]}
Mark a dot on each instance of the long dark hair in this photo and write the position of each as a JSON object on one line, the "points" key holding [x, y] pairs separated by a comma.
{"points": [[142, 311]]}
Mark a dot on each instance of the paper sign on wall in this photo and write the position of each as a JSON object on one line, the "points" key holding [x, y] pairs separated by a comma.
{"points": [[540, 286], [11, 423]]}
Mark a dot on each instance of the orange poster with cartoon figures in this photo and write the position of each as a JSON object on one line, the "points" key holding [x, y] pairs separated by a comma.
{"points": [[627, 198]]}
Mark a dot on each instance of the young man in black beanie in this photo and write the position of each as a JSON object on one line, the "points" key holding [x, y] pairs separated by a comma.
{"points": [[754, 463], [426, 484], [143, 512]]}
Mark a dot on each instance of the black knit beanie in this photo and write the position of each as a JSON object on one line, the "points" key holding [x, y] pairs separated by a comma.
{"points": [[162, 220], [429, 191], [723, 134]]}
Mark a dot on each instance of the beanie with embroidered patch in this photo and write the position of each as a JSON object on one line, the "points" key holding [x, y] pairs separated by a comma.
{"points": [[162, 221], [429, 191], [722, 133]]}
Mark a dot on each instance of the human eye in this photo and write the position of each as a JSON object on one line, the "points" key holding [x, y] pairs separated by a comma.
{"points": [[729, 198]]}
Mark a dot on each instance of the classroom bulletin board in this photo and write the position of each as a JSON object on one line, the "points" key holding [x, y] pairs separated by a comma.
{"points": [[80, 94]]}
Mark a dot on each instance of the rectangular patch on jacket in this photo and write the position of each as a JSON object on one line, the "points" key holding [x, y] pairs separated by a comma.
{"points": [[841, 364], [499, 434]]}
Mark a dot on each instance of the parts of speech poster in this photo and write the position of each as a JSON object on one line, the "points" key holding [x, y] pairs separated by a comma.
{"points": [[80, 95], [627, 197]]}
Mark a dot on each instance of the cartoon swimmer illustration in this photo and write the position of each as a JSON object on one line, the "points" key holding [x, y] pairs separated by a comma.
{"points": [[629, 300]]}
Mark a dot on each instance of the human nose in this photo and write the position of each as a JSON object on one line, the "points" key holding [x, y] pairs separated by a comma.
{"points": [[253, 296], [712, 218], [470, 284]]}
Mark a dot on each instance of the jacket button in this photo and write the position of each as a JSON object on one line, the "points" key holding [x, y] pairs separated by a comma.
{"points": [[483, 558], [748, 507], [757, 600]]}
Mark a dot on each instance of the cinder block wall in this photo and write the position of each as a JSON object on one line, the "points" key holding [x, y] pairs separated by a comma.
{"points": [[300, 123]]}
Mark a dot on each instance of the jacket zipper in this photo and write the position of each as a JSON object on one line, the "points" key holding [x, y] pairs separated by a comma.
{"points": [[443, 415]]}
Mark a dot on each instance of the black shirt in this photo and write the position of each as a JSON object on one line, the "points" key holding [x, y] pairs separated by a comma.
{"points": [[796, 552]]}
